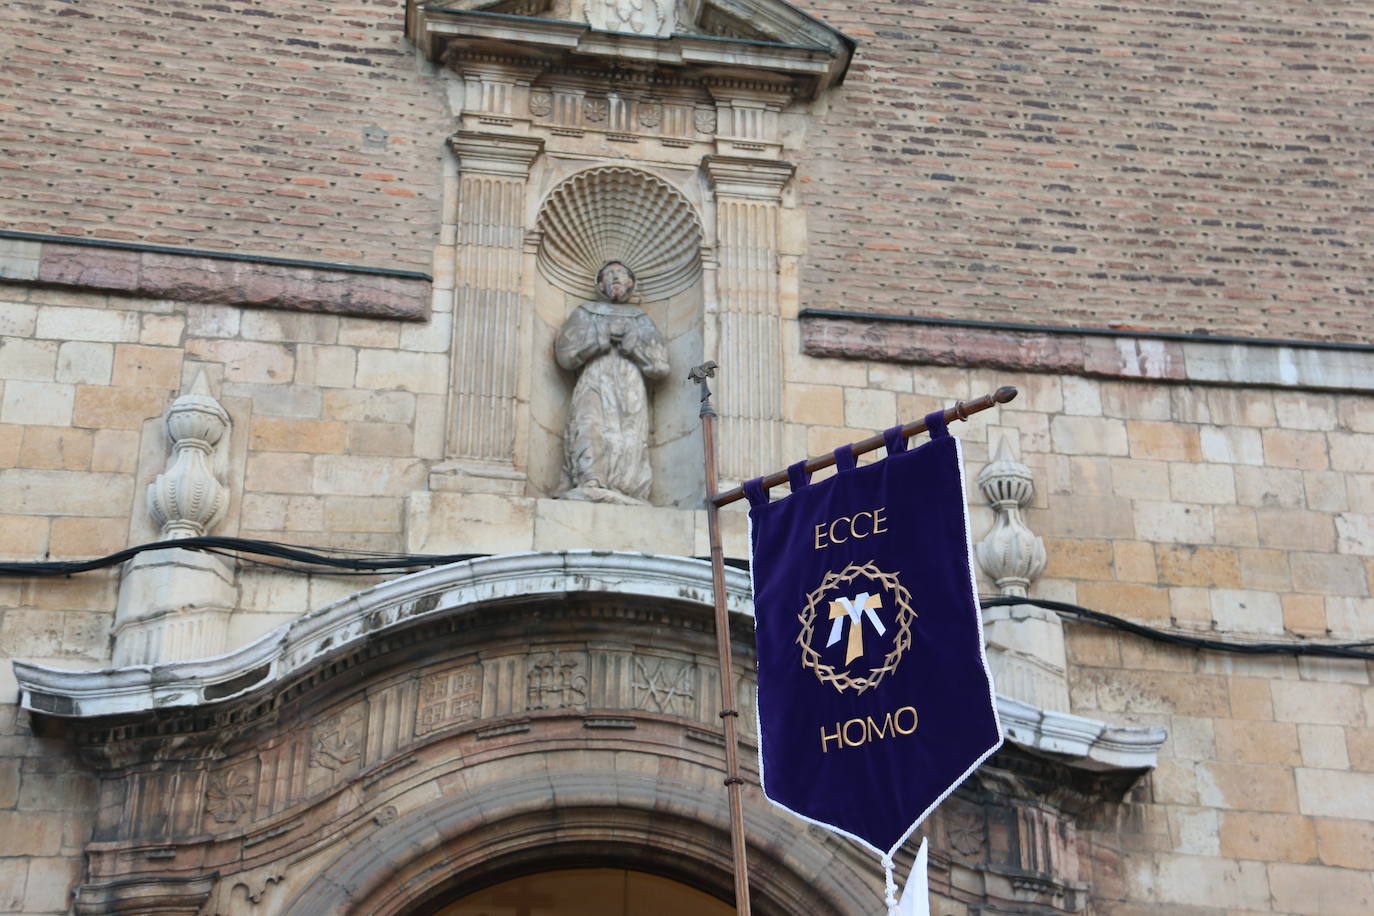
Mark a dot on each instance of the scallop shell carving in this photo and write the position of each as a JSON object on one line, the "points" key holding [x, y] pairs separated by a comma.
{"points": [[619, 214]]}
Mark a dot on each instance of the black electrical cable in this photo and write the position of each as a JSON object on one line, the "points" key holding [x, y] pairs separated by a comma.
{"points": [[363, 563], [358, 562], [1325, 650]]}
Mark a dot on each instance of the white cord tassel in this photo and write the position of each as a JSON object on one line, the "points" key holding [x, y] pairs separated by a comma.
{"points": [[890, 891]]}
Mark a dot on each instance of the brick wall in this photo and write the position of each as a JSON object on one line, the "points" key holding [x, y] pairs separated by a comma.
{"points": [[1200, 169], [278, 127]]}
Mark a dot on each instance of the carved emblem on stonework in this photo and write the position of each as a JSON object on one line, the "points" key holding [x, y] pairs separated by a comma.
{"points": [[965, 829], [705, 121], [555, 681], [595, 110], [650, 114], [337, 741], [385, 816], [448, 697], [664, 685], [229, 795], [541, 103]]}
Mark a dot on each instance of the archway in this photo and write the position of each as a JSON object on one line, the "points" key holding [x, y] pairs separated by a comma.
{"points": [[586, 892]]}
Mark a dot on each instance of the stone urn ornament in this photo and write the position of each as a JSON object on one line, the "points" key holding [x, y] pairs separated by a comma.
{"points": [[615, 347]]}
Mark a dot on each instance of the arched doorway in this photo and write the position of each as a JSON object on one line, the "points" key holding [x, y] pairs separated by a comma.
{"points": [[586, 892]]}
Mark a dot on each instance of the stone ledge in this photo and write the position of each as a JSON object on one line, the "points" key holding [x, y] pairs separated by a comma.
{"points": [[207, 277], [1137, 357], [1094, 745]]}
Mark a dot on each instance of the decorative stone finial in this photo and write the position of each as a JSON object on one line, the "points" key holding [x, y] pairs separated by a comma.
{"points": [[187, 498], [1010, 554]]}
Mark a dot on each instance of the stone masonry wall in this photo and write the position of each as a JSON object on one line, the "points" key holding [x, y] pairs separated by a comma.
{"points": [[1202, 167], [275, 127]]}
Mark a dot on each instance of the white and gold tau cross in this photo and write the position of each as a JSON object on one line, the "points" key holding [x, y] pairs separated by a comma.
{"points": [[855, 609]]}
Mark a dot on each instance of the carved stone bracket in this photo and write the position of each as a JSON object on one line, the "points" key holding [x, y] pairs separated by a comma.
{"points": [[165, 895]]}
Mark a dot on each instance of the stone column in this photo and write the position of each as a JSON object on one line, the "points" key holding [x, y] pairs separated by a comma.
{"points": [[175, 604], [1025, 643], [490, 311], [749, 321]]}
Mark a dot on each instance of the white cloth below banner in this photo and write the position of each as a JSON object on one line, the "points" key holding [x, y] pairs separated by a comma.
{"points": [[916, 894]]}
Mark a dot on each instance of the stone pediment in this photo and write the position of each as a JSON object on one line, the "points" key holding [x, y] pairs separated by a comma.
{"points": [[741, 38]]}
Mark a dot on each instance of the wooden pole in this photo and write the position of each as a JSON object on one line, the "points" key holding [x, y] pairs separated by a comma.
{"points": [[728, 713], [960, 411]]}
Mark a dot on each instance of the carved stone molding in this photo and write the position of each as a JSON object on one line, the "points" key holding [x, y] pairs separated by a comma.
{"points": [[147, 895], [614, 213]]}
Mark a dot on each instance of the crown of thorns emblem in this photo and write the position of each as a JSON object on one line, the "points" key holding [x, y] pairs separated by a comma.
{"points": [[855, 610]]}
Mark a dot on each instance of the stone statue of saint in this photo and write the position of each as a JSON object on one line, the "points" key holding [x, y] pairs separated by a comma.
{"points": [[617, 347]]}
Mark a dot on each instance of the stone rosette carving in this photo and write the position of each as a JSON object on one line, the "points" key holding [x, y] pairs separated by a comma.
{"points": [[541, 104], [704, 120], [650, 115], [229, 795], [1010, 554], [595, 110]]}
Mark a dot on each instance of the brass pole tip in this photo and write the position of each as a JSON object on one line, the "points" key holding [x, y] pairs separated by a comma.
{"points": [[1004, 394]]}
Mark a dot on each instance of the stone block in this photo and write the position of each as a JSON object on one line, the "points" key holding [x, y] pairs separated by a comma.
{"points": [[57, 447], [814, 405], [279, 472], [1078, 559], [51, 882], [86, 537], [1296, 529], [284, 434], [1198, 566], [363, 513], [14, 873], [369, 332], [304, 513], [28, 360], [1267, 837], [1244, 611], [1315, 889], [363, 475], [1235, 526], [1192, 738], [30, 833], [1329, 573], [1173, 522], [210, 320], [1073, 435], [869, 408], [468, 523], [1145, 603], [1174, 782], [106, 325], [1106, 517], [162, 330], [393, 439], [1349, 617], [327, 367], [1345, 843], [1355, 534], [263, 511], [1246, 741], [1325, 491], [1359, 745], [115, 450], [1135, 401], [17, 319], [1092, 647], [84, 363], [138, 366], [1323, 747], [1250, 698], [1136, 479], [1195, 881], [1164, 441], [246, 361], [100, 407], [1232, 445], [1317, 703], [1134, 561], [562, 524], [1264, 569], [277, 400], [431, 423], [432, 336], [1167, 692], [1247, 787], [58, 492], [1305, 410], [1270, 488], [1194, 830], [1082, 396], [1286, 448], [1305, 614], [279, 327], [37, 403], [1356, 412], [402, 371]]}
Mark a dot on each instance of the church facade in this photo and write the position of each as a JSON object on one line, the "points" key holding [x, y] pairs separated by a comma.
{"points": [[394, 280]]}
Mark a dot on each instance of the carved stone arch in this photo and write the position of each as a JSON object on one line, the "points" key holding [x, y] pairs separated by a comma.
{"points": [[618, 213], [672, 826]]}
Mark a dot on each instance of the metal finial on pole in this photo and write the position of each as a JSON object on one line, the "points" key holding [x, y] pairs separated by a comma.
{"points": [[728, 713]]}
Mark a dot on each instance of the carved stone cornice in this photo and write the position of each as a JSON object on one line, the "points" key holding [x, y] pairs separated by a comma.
{"points": [[146, 895], [502, 155], [743, 177]]}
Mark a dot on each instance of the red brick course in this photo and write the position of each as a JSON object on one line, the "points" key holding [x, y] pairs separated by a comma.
{"points": [[1204, 168], [274, 127]]}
